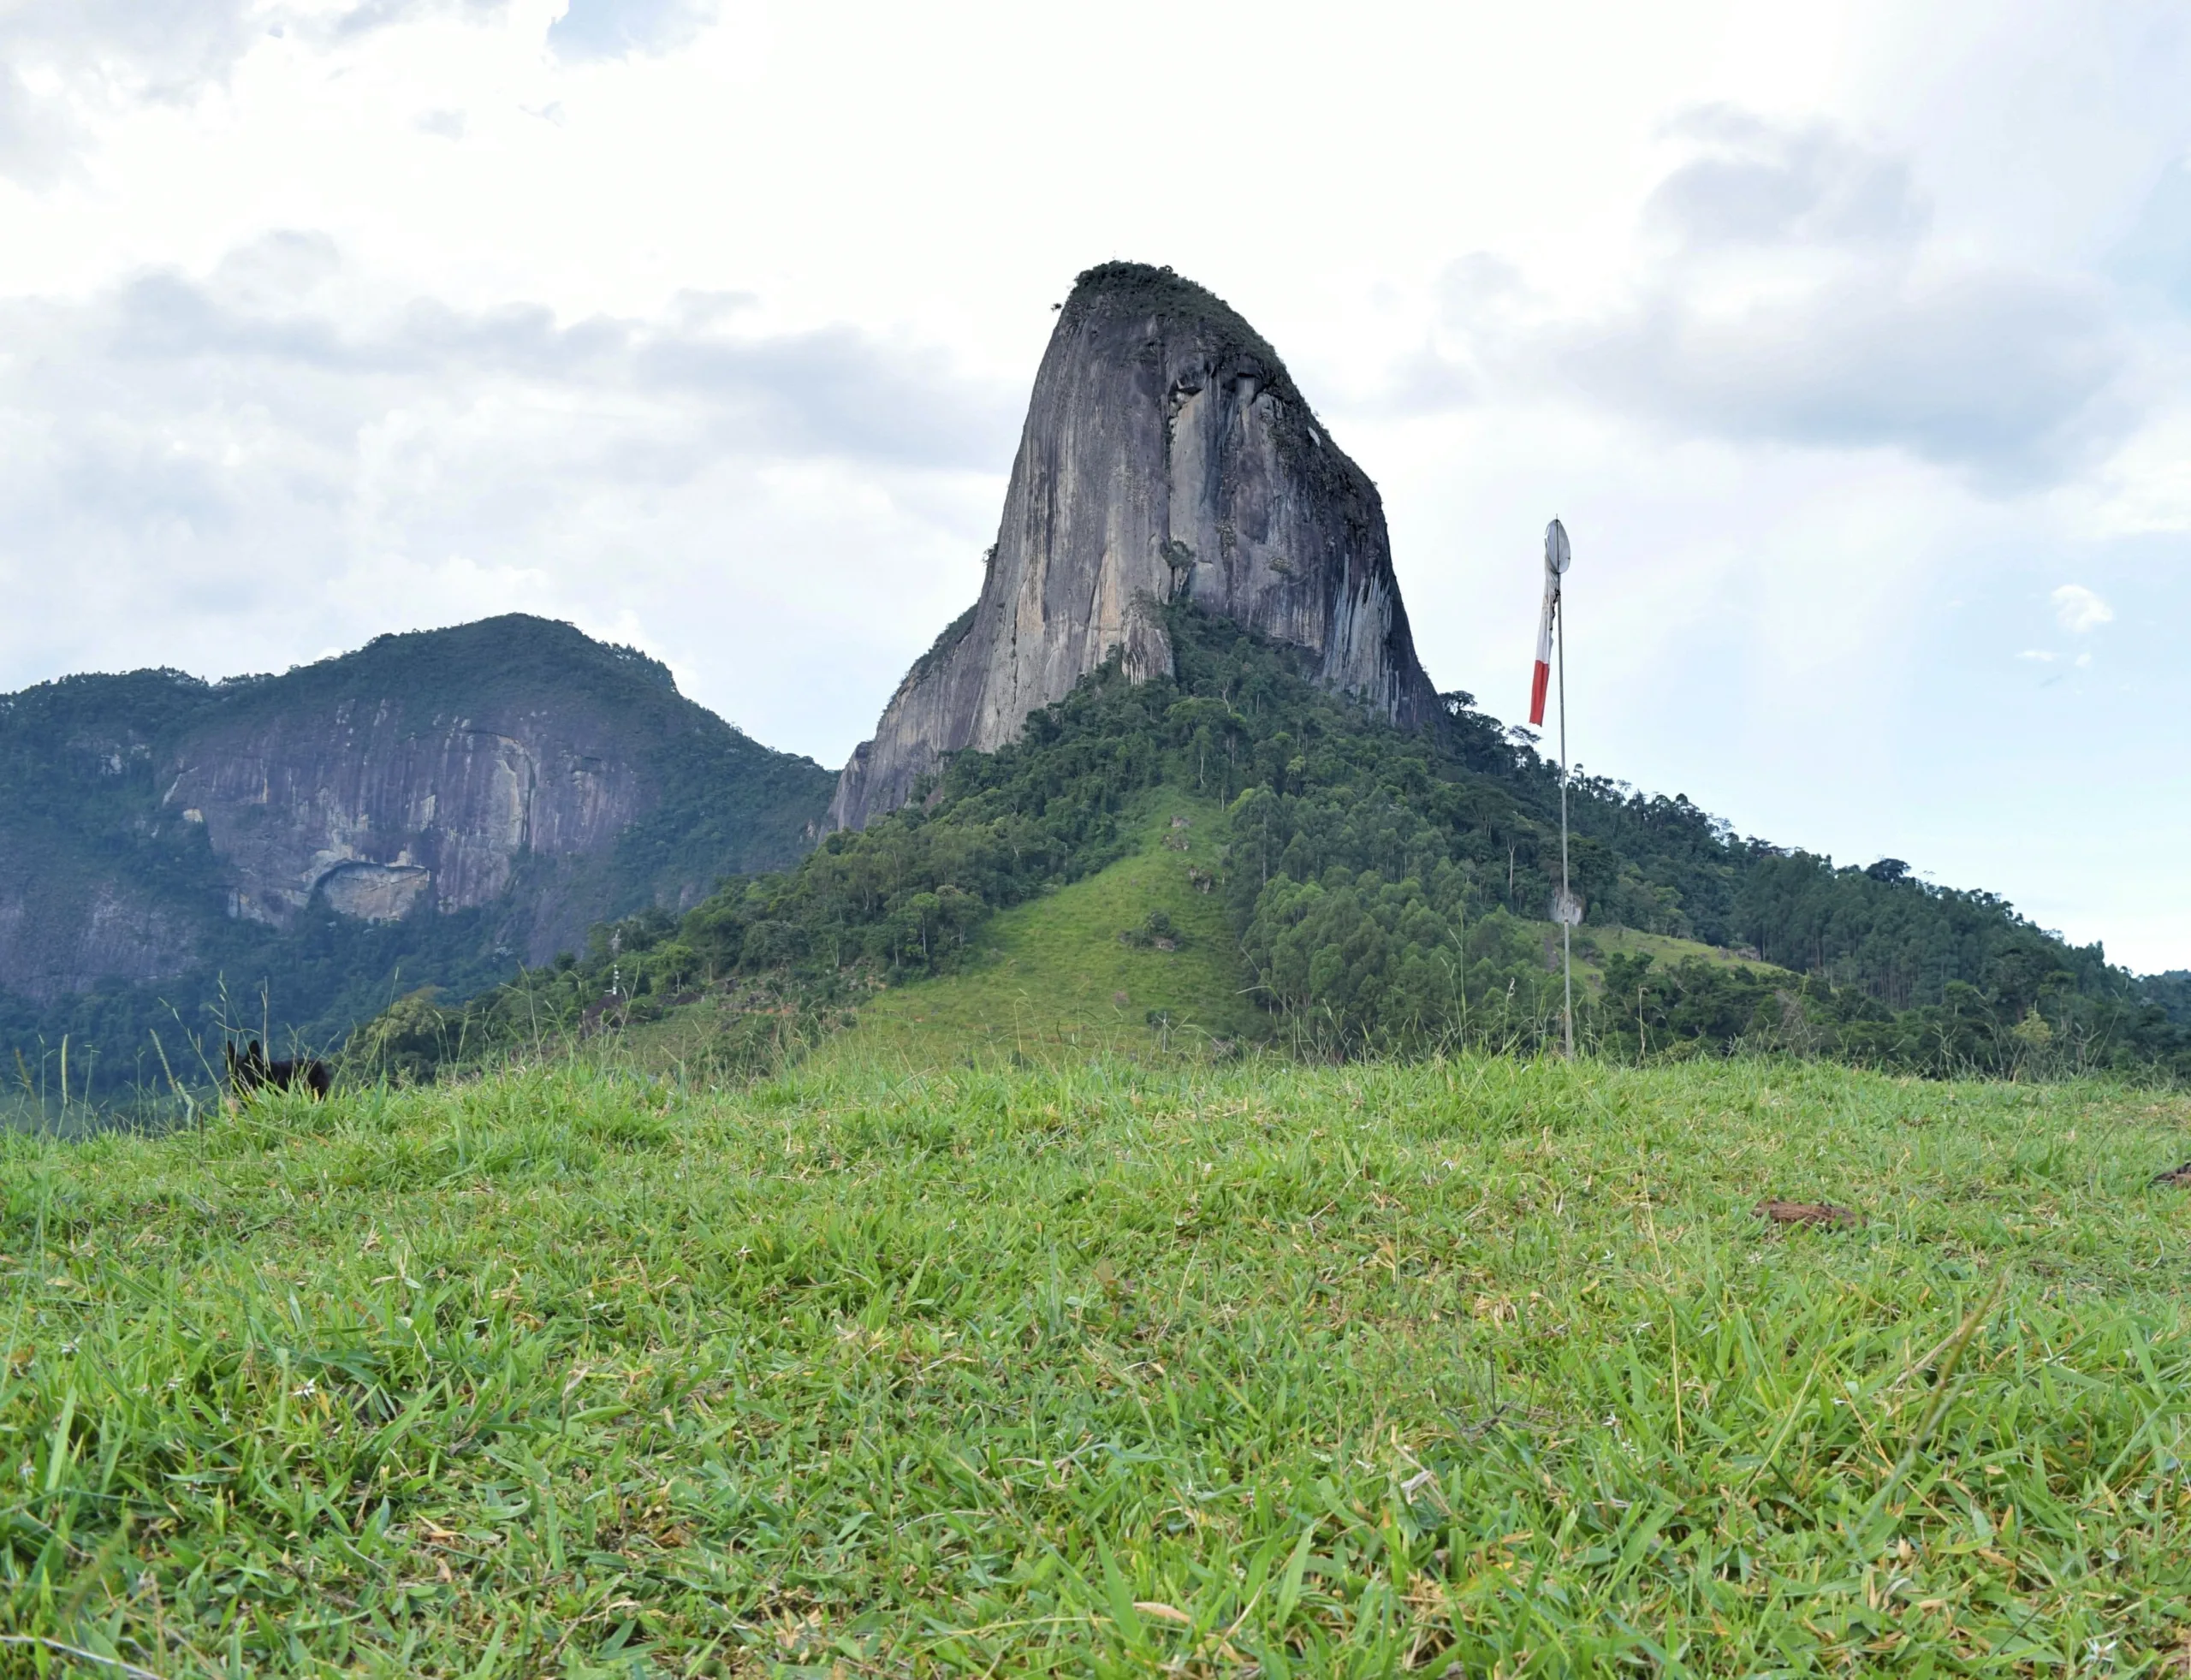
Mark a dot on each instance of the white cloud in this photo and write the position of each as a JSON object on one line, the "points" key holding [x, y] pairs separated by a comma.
{"points": [[64, 64], [2146, 487], [2156, 252], [1999, 375], [2078, 610], [2038, 655], [1792, 297], [1757, 183]]}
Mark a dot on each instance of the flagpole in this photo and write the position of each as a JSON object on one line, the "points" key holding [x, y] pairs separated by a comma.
{"points": [[1567, 897], [1552, 623]]}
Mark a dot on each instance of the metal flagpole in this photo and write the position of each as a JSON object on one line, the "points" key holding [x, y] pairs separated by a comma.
{"points": [[1558, 557], [1566, 896]]}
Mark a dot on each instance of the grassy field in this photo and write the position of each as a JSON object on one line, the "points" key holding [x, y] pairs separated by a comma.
{"points": [[1483, 1367], [1052, 979]]}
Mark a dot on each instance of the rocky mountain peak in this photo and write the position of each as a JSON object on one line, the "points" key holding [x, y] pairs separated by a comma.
{"points": [[1167, 455]]}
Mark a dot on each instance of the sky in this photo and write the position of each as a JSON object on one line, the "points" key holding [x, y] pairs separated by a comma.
{"points": [[1850, 342]]}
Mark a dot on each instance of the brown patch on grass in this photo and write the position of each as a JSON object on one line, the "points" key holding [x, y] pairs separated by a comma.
{"points": [[1807, 1213]]}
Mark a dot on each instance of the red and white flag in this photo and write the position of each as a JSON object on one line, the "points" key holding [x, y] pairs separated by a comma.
{"points": [[1556, 560]]}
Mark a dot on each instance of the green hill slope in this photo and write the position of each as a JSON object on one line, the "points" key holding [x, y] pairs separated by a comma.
{"points": [[1138, 960], [1053, 978], [1379, 891]]}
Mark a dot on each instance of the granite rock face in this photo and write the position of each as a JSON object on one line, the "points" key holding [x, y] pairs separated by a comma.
{"points": [[1167, 456], [383, 810]]}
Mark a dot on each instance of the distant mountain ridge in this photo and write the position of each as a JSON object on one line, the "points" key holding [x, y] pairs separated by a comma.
{"points": [[492, 790], [1192, 591]]}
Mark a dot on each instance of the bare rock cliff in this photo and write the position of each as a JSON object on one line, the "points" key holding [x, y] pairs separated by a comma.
{"points": [[383, 810], [1167, 455]]}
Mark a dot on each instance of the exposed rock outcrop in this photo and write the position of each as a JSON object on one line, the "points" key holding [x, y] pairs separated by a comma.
{"points": [[1167, 455], [387, 804]]}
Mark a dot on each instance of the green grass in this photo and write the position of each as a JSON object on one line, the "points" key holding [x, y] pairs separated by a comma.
{"points": [[1475, 1367], [1051, 978], [1598, 943]]}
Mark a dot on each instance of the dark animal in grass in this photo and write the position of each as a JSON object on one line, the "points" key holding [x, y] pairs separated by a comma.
{"points": [[250, 1072], [1806, 1212], [2180, 1176]]}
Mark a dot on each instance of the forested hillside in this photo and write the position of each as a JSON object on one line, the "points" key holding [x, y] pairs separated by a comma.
{"points": [[286, 854], [1386, 888]]}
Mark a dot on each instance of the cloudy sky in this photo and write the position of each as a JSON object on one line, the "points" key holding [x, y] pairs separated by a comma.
{"points": [[1850, 340]]}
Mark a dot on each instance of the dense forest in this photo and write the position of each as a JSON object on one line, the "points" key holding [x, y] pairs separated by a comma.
{"points": [[1386, 888]]}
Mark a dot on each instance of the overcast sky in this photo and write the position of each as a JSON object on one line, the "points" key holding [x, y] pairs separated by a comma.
{"points": [[1850, 340]]}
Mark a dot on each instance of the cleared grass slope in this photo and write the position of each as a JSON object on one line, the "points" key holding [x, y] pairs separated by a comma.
{"points": [[1052, 978]]}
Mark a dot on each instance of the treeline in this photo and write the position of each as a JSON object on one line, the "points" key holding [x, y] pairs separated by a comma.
{"points": [[1386, 889]]}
